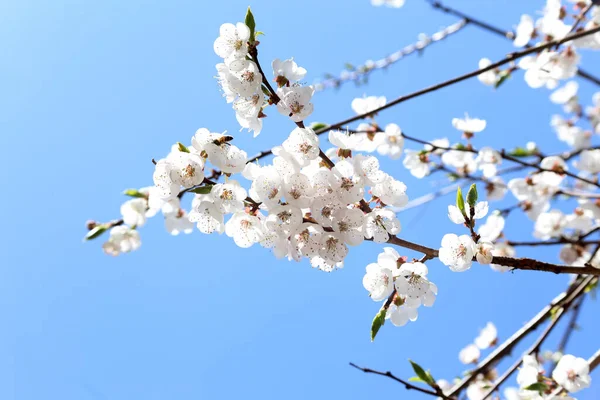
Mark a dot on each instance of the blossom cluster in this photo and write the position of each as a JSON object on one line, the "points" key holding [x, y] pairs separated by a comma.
{"points": [[406, 282]]}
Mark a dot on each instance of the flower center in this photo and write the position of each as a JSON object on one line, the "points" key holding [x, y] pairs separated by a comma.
{"points": [[227, 194], [296, 107], [347, 183]]}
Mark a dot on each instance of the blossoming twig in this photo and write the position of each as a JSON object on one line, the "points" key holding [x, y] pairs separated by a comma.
{"points": [[500, 32]]}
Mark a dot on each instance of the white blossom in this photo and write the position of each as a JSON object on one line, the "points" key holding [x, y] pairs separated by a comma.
{"points": [[122, 239], [245, 229], [524, 31], [134, 212], [487, 336], [412, 285], [233, 41], [470, 125], [392, 142], [366, 105], [457, 252], [469, 354], [484, 252], [417, 162], [287, 71], [380, 224], [295, 102], [378, 281], [572, 373]]}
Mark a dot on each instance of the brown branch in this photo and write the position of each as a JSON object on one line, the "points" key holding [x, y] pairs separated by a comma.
{"points": [[526, 264]]}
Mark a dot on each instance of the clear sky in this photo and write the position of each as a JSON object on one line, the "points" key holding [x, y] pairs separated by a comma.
{"points": [[92, 91]]}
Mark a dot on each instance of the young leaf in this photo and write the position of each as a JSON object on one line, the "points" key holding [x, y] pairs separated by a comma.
{"points": [[316, 126], [520, 152], [96, 231], [416, 379], [202, 189], [472, 195], [502, 77], [251, 24], [460, 202], [182, 147], [378, 322], [134, 193], [422, 374], [538, 387]]}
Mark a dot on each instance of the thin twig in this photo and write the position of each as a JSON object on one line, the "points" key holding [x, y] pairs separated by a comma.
{"points": [[407, 385]]}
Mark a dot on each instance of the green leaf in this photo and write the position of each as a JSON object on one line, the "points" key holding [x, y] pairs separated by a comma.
{"points": [[425, 376], [202, 189], [502, 77], [538, 387], [378, 322], [135, 193], [317, 126], [182, 147], [460, 202], [472, 195], [416, 379], [257, 34], [251, 24], [520, 152], [96, 231], [349, 67]]}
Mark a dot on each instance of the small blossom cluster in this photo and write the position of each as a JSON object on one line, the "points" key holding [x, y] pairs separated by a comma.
{"points": [[571, 374], [457, 252], [239, 76], [552, 65], [406, 282], [242, 81]]}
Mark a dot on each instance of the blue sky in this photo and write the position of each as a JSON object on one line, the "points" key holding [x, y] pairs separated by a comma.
{"points": [[91, 91]]}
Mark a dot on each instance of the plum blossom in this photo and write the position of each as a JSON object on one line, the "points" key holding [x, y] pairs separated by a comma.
{"points": [[122, 239], [295, 102], [484, 252], [529, 371], [469, 354], [233, 41], [589, 160], [245, 229], [525, 31], [287, 71], [487, 336], [378, 281], [457, 252], [469, 125], [392, 142], [489, 78], [572, 373], [417, 162], [412, 284], [380, 224], [366, 105]]}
